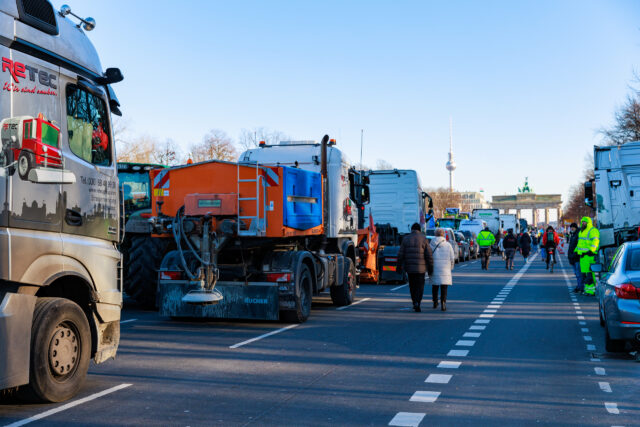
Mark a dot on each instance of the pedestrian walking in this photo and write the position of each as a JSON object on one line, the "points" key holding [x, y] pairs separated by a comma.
{"points": [[416, 259], [510, 243], [443, 262], [574, 259], [587, 249], [534, 242], [485, 240], [525, 245]]}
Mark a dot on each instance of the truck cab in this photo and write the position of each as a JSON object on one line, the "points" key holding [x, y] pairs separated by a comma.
{"points": [[60, 222]]}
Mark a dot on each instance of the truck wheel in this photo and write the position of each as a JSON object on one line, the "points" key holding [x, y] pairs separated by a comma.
{"points": [[613, 346], [303, 299], [25, 164], [143, 260], [60, 351], [346, 292]]}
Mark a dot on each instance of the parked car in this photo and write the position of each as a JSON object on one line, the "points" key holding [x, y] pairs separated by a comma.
{"points": [[449, 234], [464, 253], [618, 291], [471, 237]]}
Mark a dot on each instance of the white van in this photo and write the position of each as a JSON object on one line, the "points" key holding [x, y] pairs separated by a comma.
{"points": [[473, 225]]}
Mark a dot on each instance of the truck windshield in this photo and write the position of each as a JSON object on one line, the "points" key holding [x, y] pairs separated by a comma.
{"points": [[448, 223], [50, 135], [135, 187]]}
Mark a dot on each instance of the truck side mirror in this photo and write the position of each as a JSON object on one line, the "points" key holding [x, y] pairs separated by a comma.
{"points": [[588, 194]]}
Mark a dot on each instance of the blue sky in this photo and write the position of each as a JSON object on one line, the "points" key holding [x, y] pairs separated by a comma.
{"points": [[527, 83]]}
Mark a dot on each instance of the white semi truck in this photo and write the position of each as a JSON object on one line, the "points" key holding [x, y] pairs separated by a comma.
{"points": [[60, 293], [615, 193]]}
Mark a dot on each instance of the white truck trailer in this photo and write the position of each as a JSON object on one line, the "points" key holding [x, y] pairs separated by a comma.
{"points": [[617, 193], [60, 293], [509, 221]]}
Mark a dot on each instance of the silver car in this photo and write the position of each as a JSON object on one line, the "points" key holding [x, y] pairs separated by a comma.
{"points": [[618, 291]]}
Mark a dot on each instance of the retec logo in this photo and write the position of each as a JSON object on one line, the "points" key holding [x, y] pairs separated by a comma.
{"points": [[18, 70]]}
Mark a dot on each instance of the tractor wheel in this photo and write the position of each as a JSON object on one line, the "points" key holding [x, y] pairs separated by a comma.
{"points": [[142, 261], [60, 351], [25, 164], [303, 299], [345, 293]]}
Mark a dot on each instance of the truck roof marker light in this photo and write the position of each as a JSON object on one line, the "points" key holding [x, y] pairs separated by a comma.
{"points": [[262, 143], [189, 161], [89, 23], [332, 142]]}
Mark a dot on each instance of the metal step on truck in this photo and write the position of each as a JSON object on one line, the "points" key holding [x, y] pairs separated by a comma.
{"points": [[259, 238], [614, 193], [60, 291]]}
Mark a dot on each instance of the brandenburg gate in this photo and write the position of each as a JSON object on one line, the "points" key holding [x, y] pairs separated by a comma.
{"points": [[527, 199]]}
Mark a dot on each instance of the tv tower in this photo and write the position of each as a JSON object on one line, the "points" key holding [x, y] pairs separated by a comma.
{"points": [[451, 164]]}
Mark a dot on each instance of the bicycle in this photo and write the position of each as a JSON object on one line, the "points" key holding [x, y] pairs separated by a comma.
{"points": [[551, 258]]}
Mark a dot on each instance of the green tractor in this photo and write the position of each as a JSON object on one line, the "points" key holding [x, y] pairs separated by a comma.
{"points": [[141, 255]]}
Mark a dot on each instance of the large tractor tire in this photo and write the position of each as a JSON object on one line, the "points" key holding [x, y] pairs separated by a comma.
{"points": [[345, 294], [142, 262], [303, 299], [60, 351]]}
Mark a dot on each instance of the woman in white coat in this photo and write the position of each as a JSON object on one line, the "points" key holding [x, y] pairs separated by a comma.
{"points": [[443, 262]]}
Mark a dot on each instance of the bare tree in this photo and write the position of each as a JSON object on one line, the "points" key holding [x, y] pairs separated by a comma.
{"points": [[383, 165], [166, 153], [626, 125], [139, 150], [443, 199], [250, 138], [216, 145]]}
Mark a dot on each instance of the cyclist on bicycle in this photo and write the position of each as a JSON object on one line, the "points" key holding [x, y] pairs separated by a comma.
{"points": [[550, 242]]}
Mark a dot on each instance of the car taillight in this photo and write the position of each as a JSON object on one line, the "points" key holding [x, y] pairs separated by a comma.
{"points": [[146, 215], [278, 277], [627, 291], [170, 275]]}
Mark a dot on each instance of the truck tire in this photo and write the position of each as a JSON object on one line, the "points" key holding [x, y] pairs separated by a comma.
{"points": [[25, 164], [141, 266], [60, 351], [345, 293], [303, 299]]}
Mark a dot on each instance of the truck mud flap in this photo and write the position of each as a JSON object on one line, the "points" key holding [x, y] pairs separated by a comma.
{"points": [[255, 301], [16, 315], [389, 270]]}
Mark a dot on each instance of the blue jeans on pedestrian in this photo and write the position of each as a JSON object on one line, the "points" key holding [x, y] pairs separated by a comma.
{"points": [[579, 276]]}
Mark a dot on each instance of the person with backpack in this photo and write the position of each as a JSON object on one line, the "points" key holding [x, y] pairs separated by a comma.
{"points": [[550, 242], [510, 243]]}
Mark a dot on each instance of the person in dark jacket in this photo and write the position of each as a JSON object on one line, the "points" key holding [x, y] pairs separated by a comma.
{"points": [[416, 259], [510, 244], [525, 245], [574, 259]]}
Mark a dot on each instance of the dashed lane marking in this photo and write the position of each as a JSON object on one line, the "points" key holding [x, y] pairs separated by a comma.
{"points": [[477, 328], [582, 323], [591, 347], [471, 335], [587, 338], [425, 396], [580, 317], [584, 329], [407, 419], [438, 378], [465, 343], [484, 315], [612, 408], [399, 287], [127, 321], [481, 321], [605, 386], [344, 307], [490, 311], [448, 364], [458, 353], [600, 371], [268, 334], [68, 405]]}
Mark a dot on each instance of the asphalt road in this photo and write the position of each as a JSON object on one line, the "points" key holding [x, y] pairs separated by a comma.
{"points": [[513, 348]]}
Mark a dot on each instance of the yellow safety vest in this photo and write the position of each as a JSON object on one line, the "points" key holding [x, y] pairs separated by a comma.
{"points": [[485, 239]]}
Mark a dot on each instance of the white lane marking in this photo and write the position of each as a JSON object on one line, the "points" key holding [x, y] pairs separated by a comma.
{"points": [[594, 359], [425, 396], [477, 328], [407, 419], [487, 315], [438, 378], [127, 321], [584, 329], [576, 304], [458, 353], [600, 371], [605, 386], [612, 408], [268, 334], [587, 338], [582, 323], [448, 364], [344, 307], [399, 287], [579, 312], [490, 311], [591, 347], [494, 305], [462, 266], [68, 406], [471, 335], [580, 317], [465, 343], [482, 321]]}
